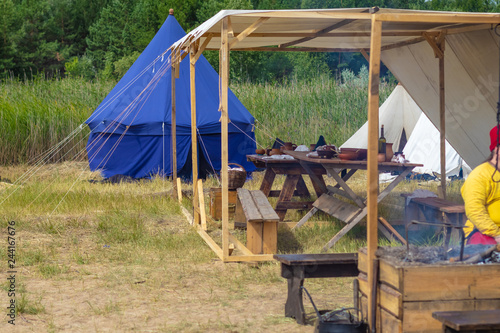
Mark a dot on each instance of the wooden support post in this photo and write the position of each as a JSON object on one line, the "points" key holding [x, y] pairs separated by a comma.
{"points": [[201, 198], [194, 141], [224, 77], [372, 189], [174, 68], [442, 121], [179, 189]]}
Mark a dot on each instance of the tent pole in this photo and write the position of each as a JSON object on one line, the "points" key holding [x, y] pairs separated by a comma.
{"points": [[442, 118], [194, 142], [174, 134], [224, 77], [372, 189]]}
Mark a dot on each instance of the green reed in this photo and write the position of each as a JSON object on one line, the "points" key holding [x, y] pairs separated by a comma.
{"points": [[36, 115], [301, 111]]}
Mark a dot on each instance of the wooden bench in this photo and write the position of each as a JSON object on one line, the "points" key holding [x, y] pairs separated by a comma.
{"points": [[469, 321], [297, 267], [437, 209], [253, 209]]}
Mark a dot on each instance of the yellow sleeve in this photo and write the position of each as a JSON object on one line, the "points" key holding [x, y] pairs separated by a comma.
{"points": [[475, 193]]}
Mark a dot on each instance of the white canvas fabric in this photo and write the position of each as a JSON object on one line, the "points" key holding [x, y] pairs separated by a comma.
{"points": [[423, 147], [398, 112]]}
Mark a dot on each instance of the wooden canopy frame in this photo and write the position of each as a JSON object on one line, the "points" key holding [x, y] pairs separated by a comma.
{"points": [[366, 30]]}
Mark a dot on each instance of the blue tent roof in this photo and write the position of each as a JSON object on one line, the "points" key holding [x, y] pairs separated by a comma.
{"points": [[131, 128]]}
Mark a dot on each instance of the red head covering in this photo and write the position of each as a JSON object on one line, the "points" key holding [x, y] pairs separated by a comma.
{"points": [[493, 138]]}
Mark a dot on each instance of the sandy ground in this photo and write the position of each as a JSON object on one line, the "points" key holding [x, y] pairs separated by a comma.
{"points": [[163, 296]]}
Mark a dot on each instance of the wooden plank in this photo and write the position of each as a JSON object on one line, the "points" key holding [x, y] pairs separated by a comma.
{"points": [[252, 258], [287, 192], [417, 316], [336, 208], [442, 120], [203, 214], [239, 245], [245, 33], [266, 211], [388, 298], [317, 258], [388, 323], [194, 142], [372, 165], [270, 237], [224, 120], [353, 196], [392, 231], [188, 215], [210, 242], [179, 190], [470, 321], [388, 274], [453, 282], [251, 211], [305, 218], [173, 126], [267, 182], [254, 237]]}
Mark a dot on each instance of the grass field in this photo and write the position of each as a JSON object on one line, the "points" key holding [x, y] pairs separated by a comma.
{"points": [[38, 115], [121, 257]]}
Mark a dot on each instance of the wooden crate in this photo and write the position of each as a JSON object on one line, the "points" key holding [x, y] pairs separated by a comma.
{"points": [[408, 295], [216, 203]]}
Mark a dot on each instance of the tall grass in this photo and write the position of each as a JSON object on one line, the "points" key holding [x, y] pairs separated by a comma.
{"points": [[301, 111], [36, 115]]}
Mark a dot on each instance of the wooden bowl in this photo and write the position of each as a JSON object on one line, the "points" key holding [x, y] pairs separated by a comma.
{"points": [[348, 156], [260, 151]]}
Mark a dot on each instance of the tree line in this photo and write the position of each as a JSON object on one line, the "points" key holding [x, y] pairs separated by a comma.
{"points": [[102, 38]]}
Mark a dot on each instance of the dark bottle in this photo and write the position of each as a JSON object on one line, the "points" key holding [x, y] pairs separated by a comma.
{"points": [[381, 141]]}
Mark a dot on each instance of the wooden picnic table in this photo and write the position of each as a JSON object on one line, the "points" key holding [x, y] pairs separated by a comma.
{"points": [[349, 213], [294, 184]]}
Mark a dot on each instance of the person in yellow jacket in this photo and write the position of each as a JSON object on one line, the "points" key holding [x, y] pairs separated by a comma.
{"points": [[481, 194]]}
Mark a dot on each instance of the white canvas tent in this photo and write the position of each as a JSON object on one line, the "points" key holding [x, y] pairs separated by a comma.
{"points": [[400, 114], [423, 147]]}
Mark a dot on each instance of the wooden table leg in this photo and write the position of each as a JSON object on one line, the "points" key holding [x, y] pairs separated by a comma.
{"points": [[286, 194], [294, 306], [317, 180], [267, 182], [302, 190]]}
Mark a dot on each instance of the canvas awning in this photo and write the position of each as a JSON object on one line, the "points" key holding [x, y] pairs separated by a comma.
{"points": [[471, 56], [426, 51]]}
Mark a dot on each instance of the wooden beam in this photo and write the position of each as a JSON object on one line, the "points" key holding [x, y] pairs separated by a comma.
{"points": [[252, 258], [210, 242], [395, 33], [224, 77], [230, 31], [240, 245], [174, 68], [438, 53], [317, 34], [442, 120], [440, 18], [365, 54], [401, 44], [248, 31], [194, 141], [295, 49], [203, 46], [179, 190], [201, 199], [373, 125]]}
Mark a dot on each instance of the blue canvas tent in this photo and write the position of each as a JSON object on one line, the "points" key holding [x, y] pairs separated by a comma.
{"points": [[131, 128]]}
